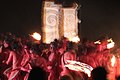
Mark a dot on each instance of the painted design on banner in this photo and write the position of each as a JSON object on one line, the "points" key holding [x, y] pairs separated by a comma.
{"points": [[69, 23], [51, 18]]}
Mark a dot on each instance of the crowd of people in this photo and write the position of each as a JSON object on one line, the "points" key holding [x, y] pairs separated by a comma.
{"points": [[19, 55]]}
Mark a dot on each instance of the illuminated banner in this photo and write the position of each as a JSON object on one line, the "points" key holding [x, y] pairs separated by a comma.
{"points": [[58, 22], [50, 22], [70, 22]]}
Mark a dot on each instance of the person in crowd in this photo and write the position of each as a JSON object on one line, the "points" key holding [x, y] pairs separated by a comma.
{"points": [[25, 65], [52, 61], [61, 47], [36, 59], [99, 73], [69, 54], [37, 73], [65, 77], [14, 60], [3, 57], [118, 78]]}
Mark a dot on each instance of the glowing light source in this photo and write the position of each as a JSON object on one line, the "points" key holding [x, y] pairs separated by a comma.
{"points": [[113, 60], [110, 44], [75, 39], [36, 36], [79, 66], [97, 42]]}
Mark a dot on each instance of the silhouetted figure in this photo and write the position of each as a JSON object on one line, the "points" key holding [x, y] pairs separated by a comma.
{"points": [[37, 74], [99, 73], [65, 77], [118, 78]]}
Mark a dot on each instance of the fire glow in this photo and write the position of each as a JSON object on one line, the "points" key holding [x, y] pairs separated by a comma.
{"points": [[113, 60], [79, 66], [110, 44], [36, 36], [75, 39], [97, 42]]}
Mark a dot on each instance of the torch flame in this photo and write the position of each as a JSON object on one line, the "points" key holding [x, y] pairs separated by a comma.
{"points": [[113, 61], [75, 39], [36, 36], [110, 40], [110, 44], [97, 42]]}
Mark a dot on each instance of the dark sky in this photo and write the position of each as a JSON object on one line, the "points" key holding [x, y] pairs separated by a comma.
{"points": [[99, 17], [20, 16]]}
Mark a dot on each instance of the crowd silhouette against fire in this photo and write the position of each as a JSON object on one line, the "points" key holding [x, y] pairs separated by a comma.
{"points": [[24, 58]]}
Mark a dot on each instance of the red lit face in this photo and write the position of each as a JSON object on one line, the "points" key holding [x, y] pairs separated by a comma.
{"points": [[6, 44]]}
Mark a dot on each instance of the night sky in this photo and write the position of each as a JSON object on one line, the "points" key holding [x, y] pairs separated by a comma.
{"points": [[99, 17], [21, 16]]}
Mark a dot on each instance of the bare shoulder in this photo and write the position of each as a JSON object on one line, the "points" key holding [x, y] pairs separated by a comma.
{"points": [[12, 52]]}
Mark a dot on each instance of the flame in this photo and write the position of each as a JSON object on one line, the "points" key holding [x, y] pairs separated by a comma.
{"points": [[113, 60], [79, 66], [110, 40], [97, 42], [110, 44], [36, 36], [75, 39]]}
